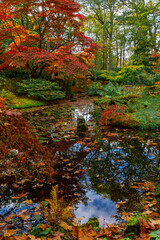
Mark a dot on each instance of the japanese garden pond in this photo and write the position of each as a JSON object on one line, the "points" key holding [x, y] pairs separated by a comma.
{"points": [[97, 170]]}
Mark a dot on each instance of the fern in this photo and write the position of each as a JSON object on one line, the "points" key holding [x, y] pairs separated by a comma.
{"points": [[58, 209]]}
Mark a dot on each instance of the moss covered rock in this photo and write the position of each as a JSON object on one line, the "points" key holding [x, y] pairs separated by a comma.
{"points": [[93, 221]]}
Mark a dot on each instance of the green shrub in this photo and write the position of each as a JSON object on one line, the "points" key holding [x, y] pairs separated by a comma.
{"points": [[153, 78], [94, 89], [41, 89], [108, 90], [9, 97], [134, 75], [16, 73], [107, 76], [95, 72], [102, 75], [3, 81], [111, 90]]}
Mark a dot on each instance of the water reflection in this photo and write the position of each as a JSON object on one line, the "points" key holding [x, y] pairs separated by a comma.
{"points": [[117, 164], [96, 176], [84, 111], [110, 170], [98, 207]]}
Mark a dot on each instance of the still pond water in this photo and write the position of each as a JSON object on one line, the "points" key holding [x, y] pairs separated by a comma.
{"points": [[97, 169]]}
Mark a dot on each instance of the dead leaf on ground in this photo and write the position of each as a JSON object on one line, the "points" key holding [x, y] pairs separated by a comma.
{"points": [[11, 232], [83, 234], [156, 222], [65, 225], [57, 238], [23, 237]]}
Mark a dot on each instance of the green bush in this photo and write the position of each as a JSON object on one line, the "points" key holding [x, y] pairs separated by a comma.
{"points": [[119, 94], [9, 97], [111, 90], [134, 75], [41, 89], [108, 90], [16, 73], [3, 81], [94, 89], [102, 75], [107, 76], [95, 72]]}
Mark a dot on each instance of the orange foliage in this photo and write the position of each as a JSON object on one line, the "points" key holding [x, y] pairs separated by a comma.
{"points": [[1, 102], [21, 153], [156, 56]]}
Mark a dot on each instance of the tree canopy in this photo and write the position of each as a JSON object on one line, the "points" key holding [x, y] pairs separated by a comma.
{"points": [[44, 35]]}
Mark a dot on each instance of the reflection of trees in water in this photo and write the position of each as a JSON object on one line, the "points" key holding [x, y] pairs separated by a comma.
{"points": [[69, 173], [117, 165]]}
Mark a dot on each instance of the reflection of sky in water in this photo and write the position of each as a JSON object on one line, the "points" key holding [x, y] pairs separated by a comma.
{"points": [[150, 153], [15, 207], [84, 111], [105, 208], [98, 207]]}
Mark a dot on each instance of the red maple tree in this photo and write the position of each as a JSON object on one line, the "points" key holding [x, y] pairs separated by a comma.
{"points": [[44, 35]]}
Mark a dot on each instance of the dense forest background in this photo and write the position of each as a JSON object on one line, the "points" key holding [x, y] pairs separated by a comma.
{"points": [[128, 31]]}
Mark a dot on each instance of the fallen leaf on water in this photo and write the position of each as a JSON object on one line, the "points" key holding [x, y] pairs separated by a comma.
{"points": [[7, 219], [9, 233], [2, 225], [134, 187], [22, 212], [21, 195], [28, 201]]}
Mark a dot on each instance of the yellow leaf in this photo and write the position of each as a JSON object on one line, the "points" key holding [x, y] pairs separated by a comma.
{"points": [[28, 201], [7, 219]]}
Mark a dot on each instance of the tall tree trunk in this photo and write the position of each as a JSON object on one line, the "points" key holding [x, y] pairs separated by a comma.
{"points": [[95, 72], [104, 52], [110, 53], [117, 53], [123, 54], [120, 56]]}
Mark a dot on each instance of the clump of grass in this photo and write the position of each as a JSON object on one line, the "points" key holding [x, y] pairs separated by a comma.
{"points": [[26, 103], [12, 101]]}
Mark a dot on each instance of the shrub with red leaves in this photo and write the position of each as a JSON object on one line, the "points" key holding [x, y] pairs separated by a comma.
{"points": [[21, 153], [115, 115]]}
